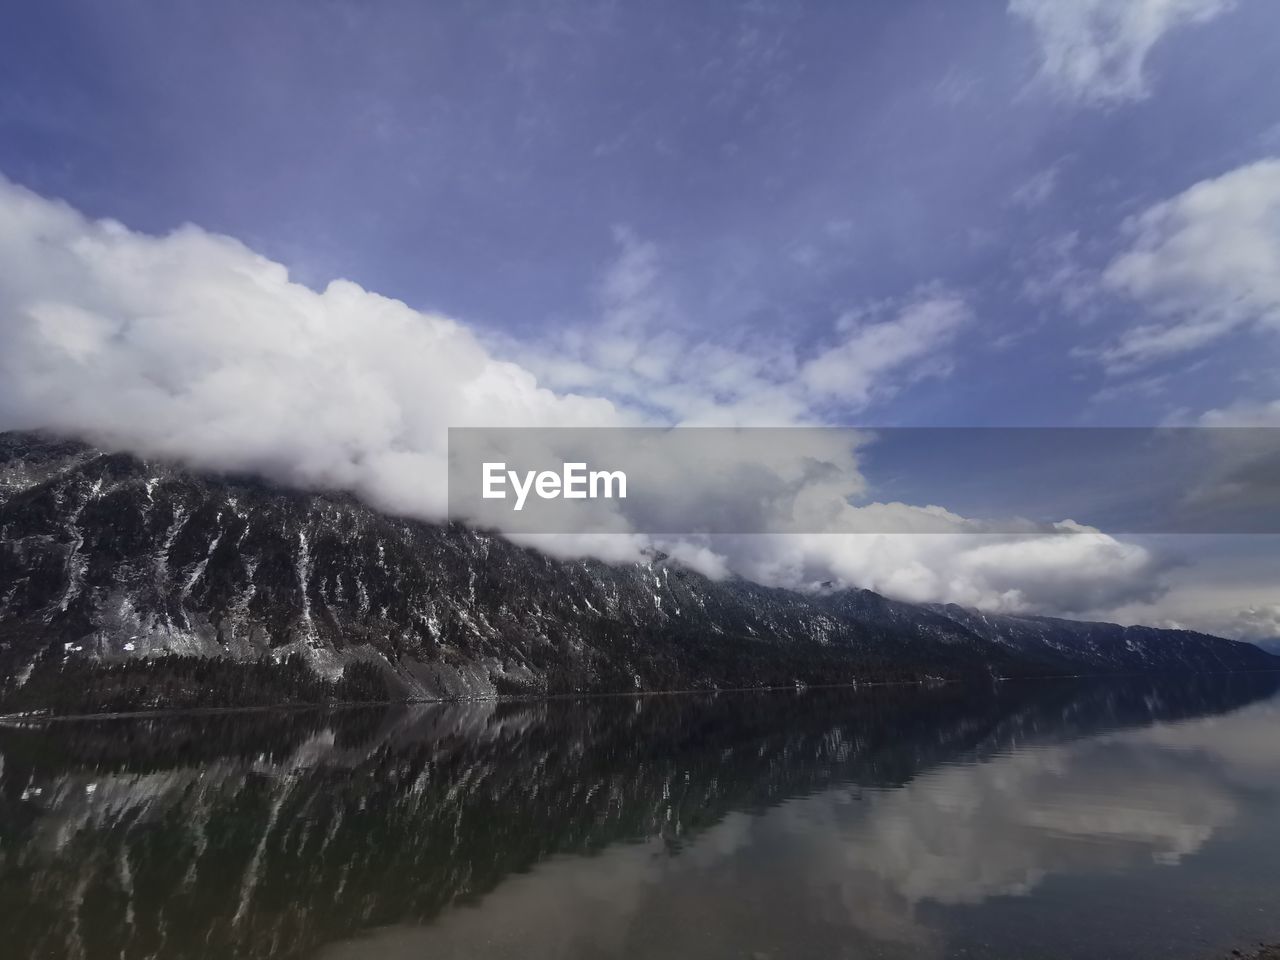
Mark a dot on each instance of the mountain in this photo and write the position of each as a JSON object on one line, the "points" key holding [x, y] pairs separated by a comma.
{"points": [[108, 560]]}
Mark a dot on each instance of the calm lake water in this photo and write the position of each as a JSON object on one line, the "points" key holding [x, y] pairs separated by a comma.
{"points": [[1053, 819]]}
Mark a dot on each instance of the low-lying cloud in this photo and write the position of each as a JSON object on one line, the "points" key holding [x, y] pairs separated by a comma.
{"points": [[191, 346]]}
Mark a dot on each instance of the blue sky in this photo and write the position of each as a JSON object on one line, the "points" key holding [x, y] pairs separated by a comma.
{"points": [[1015, 212], [790, 161]]}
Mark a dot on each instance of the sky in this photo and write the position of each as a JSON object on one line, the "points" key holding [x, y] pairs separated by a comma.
{"points": [[1022, 213]]}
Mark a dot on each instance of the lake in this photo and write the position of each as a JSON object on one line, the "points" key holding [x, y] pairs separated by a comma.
{"points": [[1076, 819]]}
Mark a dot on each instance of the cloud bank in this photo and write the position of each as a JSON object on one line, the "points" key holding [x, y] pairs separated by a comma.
{"points": [[191, 346]]}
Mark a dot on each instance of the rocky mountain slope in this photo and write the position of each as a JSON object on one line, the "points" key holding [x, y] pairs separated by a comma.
{"points": [[107, 558]]}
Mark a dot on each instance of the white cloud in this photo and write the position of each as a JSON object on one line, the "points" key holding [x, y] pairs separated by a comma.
{"points": [[1255, 623], [193, 347], [1095, 51], [869, 352], [1205, 263], [1237, 598], [948, 561], [1260, 622], [644, 353]]}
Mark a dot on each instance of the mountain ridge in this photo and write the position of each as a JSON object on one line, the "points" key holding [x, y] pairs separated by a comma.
{"points": [[109, 558]]}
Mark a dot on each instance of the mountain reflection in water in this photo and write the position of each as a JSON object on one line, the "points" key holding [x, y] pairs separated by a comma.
{"points": [[1072, 819]]}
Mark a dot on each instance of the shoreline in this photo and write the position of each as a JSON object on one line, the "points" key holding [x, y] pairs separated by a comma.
{"points": [[19, 719]]}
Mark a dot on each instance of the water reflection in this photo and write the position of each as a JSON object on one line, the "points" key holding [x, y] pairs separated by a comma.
{"points": [[941, 822]]}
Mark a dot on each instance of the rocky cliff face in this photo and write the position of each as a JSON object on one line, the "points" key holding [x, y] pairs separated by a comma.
{"points": [[110, 557]]}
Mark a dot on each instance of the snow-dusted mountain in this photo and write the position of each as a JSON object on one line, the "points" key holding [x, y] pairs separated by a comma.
{"points": [[106, 558]]}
